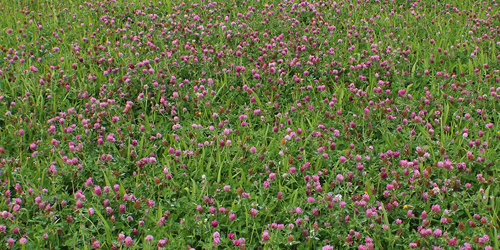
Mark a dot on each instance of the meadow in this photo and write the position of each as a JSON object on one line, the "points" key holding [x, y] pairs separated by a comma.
{"points": [[260, 124]]}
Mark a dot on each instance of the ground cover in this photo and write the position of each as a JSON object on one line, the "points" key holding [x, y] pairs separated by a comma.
{"points": [[249, 124]]}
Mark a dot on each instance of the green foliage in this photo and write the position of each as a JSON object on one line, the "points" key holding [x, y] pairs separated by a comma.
{"points": [[323, 123]]}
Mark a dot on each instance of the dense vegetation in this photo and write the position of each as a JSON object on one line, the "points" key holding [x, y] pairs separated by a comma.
{"points": [[367, 124]]}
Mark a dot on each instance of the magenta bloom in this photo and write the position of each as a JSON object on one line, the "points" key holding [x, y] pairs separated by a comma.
{"points": [[97, 190], [161, 243], [214, 223], [253, 150], [11, 242], [23, 241], [298, 210], [340, 177], [410, 213], [436, 209], [342, 204], [437, 233], [96, 245], [423, 216], [199, 209], [253, 212], [216, 241], [121, 238], [453, 241], [265, 235], [129, 242]]}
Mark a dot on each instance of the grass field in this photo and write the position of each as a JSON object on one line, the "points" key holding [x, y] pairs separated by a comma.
{"points": [[363, 124]]}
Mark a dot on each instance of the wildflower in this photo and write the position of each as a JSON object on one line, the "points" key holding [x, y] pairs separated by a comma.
{"points": [[216, 241], [366, 197], [436, 209], [437, 233], [298, 210], [423, 216], [214, 223], [410, 213], [342, 204], [253, 212], [453, 241], [340, 177], [279, 196], [10, 242], [121, 238], [129, 242], [162, 242], [342, 159], [265, 235], [327, 247], [338, 197], [97, 190], [236, 242]]}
